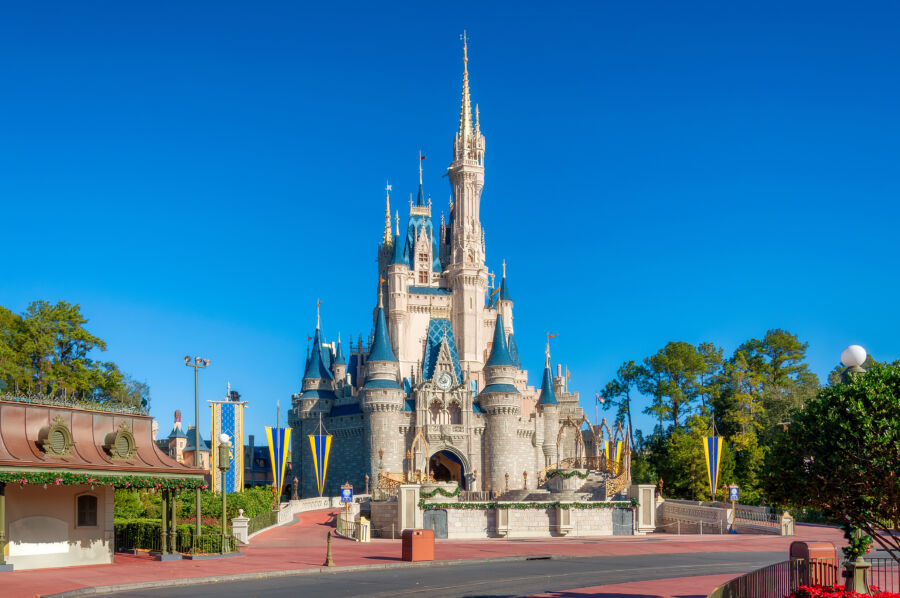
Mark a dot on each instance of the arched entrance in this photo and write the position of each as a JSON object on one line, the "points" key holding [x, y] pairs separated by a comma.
{"points": [[447, 466]]}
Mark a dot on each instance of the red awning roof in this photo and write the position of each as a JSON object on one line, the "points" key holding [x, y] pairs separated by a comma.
{"points": [[21, 425]]}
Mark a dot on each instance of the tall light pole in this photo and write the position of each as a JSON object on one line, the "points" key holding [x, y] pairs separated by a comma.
{"points": [[224, 454], [199, 363]]}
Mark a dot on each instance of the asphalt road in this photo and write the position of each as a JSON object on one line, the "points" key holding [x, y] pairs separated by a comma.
{"points": [[484, 580]]}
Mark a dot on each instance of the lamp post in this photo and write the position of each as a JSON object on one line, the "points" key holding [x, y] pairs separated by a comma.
{"points": [[857, 571], [199, 363], [224, 454]]}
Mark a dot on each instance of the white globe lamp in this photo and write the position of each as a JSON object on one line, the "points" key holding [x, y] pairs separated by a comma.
{"points": [[853, 356]]}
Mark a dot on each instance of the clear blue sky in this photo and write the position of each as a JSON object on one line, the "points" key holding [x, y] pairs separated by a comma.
{"points": [[196, 174]]}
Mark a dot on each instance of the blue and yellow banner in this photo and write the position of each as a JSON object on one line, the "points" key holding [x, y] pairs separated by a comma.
{"points": [[321, 446], [613, 452], [279, 441], [712, 450], [228, 418]]}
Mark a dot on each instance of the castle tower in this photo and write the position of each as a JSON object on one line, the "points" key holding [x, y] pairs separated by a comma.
{"points": [[549, 409], [339, 365], [382, 399], [315, 400], [505, 302], [501, 403], [466, 269], [398, 288]]}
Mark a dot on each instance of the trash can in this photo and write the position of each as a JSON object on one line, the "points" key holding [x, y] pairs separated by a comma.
{"points": [[418, 545]]}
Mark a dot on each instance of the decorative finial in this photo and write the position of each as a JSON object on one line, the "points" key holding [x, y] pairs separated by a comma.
{"points": [[410, 202], [465, 110], [492, 279], [318, 318], [549, 336], [228, 389], [477, 124], [465, 41], [420, 167], [397, 217], [504, 268], [388, 239], [380, 287]]}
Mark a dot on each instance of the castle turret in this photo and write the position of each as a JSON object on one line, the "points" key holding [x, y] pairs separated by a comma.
{"points": [[339, 365], [548, 406], [382, 400], [466, 268], [505, 302], [501, 403]]}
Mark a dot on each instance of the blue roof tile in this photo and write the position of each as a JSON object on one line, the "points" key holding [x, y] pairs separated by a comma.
{"points": [[498, 388], [548, 396], [317, 366], [381, 347]]}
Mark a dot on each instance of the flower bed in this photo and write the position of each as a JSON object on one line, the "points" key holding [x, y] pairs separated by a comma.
{"points": [[838, 591]]}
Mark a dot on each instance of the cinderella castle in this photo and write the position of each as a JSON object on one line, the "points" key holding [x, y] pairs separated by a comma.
{"points": [[438, 390]]}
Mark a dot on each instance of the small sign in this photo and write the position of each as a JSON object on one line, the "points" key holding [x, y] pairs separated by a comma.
{"points": [[346, 493], [733, 493]]}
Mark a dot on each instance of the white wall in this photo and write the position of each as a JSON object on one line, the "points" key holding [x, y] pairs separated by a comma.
{"points": [[41, 528]]}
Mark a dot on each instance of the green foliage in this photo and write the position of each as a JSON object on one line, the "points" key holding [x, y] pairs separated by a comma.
{"points": [[143, 504], [694, 391], [839, 455], [47, 351], [23, 478]]}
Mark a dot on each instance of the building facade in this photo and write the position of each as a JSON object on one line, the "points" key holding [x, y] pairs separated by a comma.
{"points": [[438, 388]]}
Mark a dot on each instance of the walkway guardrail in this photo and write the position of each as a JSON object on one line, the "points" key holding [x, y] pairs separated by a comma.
{"points": [[782, 579], [131, 539], [262, 521]]}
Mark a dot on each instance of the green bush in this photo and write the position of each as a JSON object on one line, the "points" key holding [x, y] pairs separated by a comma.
{"points": [[133, 504], [145, 533]]}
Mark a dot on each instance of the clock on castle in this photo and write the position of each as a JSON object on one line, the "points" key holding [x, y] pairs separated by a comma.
{"points": [[438, 388]]}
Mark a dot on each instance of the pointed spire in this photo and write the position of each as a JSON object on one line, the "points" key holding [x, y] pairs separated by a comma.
{"points": [[381, 344], [315, 365], [420, 199], [548, 395], [477, 124], [499, 349], [504, 289], [318, 318], [398, 249], [339, 353], [388, 237], [465, 110], [397, 220], [514, 350]]}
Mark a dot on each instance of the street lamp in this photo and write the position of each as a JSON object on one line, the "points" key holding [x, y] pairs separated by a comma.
{"points": [[199, 363], [224, 457], [853, 357]]}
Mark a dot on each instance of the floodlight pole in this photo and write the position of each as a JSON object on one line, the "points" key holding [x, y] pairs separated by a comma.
{"points": [[199, 363]]}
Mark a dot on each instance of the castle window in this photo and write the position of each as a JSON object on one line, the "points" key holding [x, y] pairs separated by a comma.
{"points": [[423, 276], [455, 413]]}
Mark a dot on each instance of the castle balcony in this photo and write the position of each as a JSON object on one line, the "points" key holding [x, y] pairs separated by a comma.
{"points": [[451, 433]]}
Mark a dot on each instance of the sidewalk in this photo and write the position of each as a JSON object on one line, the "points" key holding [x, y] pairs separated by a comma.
{"points": [[301, 545]]}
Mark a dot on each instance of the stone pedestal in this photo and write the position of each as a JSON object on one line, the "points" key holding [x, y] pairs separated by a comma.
{"points": [[240, 527], [567, 480], [857, 574], [408, 511], [645, 513]]}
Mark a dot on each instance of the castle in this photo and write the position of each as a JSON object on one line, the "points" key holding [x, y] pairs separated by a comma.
{"points": [[439, 388]]}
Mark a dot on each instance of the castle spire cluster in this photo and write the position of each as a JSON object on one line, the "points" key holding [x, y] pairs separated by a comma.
{"points": [[442, 363]]}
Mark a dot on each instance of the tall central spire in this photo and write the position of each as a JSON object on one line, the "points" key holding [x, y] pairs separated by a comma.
{"points": [[465, 110], [388, 237]]}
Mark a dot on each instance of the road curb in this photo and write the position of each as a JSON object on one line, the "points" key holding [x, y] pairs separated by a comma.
{"points": [[189, 581]]}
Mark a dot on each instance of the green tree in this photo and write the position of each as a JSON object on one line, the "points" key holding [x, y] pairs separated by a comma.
{"points": [[682, 464], [672, 378], [839, 455], [618, 392]]}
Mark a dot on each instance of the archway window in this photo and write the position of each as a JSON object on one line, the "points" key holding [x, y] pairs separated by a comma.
{"points": [[438, 414], [455, 413]]}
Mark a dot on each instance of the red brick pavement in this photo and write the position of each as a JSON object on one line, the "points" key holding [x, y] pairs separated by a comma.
{"points": [[302, 546]]}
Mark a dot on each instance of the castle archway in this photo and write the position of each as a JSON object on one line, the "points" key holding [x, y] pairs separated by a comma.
{"points": [[447, 465]]}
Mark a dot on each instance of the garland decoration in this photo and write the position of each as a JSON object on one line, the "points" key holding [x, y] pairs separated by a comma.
{"points": [[475, 506], [440, 491], [567, 474], [82, 479]]}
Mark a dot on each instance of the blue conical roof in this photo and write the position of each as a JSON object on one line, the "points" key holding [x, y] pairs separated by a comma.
{"points": [[514, 351], [504, 291], [499, 350], [420, 199], [548, 396], [339, 354], [315, 366], [398, 252], [381, 347]]}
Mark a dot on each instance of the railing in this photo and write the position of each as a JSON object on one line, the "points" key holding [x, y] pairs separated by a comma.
{"points": [[347, 528], [262, 521], [185, 542], [774, 581], [475, 496], [385, 493], [64, 400], [781, 579], [760, 518], [693, 527]]}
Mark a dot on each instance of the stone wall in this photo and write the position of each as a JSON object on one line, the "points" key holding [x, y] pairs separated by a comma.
{"points": [[348, 460], [466, 524]]}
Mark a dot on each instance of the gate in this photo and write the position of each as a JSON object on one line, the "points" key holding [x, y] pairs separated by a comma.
{"points": [[623, 522], [436, 519]]}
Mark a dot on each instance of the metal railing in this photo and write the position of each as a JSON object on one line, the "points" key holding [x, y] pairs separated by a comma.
{"points": [[262, 521], [347, 528], [148, 538], [774, 581], [782, 579], [680, 527], [60, 399], [475, 496]]}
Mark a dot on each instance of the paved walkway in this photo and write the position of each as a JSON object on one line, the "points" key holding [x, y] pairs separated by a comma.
{"points": [[301, 545]]}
